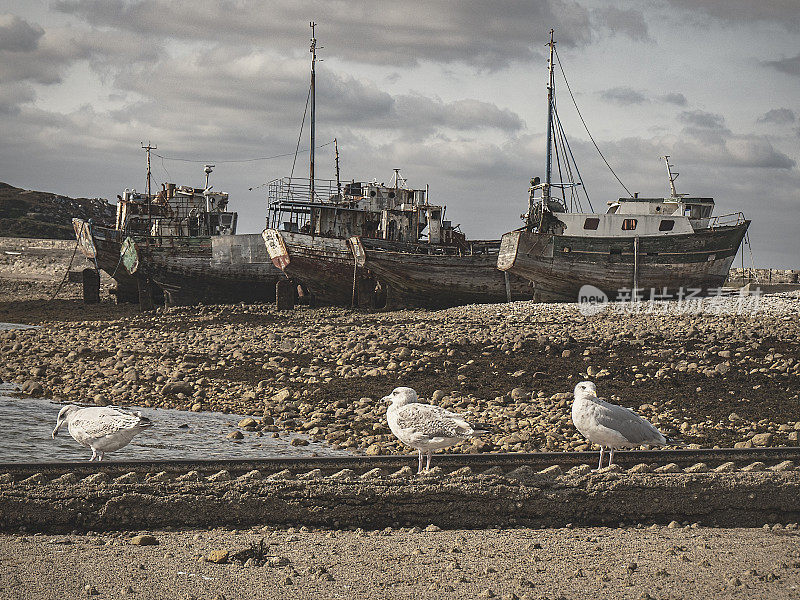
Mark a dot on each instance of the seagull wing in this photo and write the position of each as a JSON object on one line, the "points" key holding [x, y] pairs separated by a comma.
{"points": [[433, 421], [102, 421], [637, 430]]}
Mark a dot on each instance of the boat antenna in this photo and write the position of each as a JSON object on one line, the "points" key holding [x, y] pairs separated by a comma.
{"points": [[338, 181], [672, 176], [313, 51], [208, 169], [398, 179], [550, 89]]}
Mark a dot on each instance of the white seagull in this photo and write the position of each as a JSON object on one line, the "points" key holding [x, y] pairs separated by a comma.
{"points": [[608, 425], [424, 426], [103, 429]]}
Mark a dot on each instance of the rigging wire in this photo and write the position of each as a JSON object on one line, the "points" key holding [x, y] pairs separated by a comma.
{"points": [[300, 135], [246, 160], [561, 68], [574, 162]]}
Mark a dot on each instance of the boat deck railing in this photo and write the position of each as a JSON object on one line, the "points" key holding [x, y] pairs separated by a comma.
{"points": [[466, 248], [728, 220], [298, 189]]}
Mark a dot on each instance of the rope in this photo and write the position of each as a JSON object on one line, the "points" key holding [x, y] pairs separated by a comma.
{"points": [[66, 273], [558, 58]]}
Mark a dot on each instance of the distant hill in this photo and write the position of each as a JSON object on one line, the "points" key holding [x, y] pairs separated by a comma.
{"points": [[30, 214]]}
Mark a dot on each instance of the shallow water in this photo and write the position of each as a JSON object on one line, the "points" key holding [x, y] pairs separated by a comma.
{"points": [[29, 422], [7, 326]]}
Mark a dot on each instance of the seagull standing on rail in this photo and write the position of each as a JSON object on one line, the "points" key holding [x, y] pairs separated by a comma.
{"points": [[101, 428], [608, 425], [425, 427]]}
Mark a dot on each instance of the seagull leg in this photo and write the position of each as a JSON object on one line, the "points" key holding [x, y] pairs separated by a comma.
{"points": [[428, 468], [419, 469], [99, 456], [94, 455], [600, 464], [611, 457]]}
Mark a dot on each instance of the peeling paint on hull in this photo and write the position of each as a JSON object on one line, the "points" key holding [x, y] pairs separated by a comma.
{"points": [[559, 265]]}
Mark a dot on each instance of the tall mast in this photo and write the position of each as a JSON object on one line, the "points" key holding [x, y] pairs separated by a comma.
{"points": [[313, 102], [550, 91], [338, 181], [149, 197], [672, 176]]}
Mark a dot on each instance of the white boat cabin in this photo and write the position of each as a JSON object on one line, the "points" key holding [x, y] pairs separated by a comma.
{"points": [[636, 216]]}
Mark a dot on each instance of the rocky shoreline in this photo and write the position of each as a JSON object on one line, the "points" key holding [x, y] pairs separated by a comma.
{"points": [[711, 379]]}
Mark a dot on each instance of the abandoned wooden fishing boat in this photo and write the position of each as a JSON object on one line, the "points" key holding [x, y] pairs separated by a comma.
{"points": [[181, 242], [668, 247], [371, 244]]}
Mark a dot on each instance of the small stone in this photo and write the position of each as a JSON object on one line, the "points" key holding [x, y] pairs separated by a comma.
{"points": [[433, 527], [762, 439], [277, 561], [299, 442], [144, 540], [373, 450], [235, 435], [632, 566], [217, 556], [91, 590], [673, 525]]}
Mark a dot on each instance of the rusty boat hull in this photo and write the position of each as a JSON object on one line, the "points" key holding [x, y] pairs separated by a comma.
{"points": [[324, 267], [187, 269], [658, 266], [418, 276]]}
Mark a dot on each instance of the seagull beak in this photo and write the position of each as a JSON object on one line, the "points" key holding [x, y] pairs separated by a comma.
{"points": [[55, 431]]}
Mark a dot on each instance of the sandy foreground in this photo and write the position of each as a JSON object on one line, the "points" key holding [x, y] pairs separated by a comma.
{"points": [[657, 562]]}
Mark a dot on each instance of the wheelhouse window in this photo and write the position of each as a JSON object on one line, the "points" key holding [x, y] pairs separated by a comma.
{"points": [[628, 224], [591, 223], [666, 225]]}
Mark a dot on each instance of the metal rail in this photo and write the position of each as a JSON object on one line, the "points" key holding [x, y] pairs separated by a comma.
{"points": [[447, 462]]}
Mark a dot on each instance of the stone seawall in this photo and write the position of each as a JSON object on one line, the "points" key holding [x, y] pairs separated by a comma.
{"points": [[747, 497]]}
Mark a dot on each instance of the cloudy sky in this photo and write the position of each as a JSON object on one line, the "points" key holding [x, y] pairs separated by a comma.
{"points": [[453, 93]]}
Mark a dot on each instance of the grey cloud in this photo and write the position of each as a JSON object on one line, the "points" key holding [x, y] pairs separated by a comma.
{"points": [[790, 66], [675, 98], [623, 96], [703, 120], [17, 35], [13, 95], [782, 12], [59, 48], [778, 116], [628, 22], [460, 115], [379, 32]]}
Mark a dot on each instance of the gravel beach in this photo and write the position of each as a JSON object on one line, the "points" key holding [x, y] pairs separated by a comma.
{"points": [[649, 563]]}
